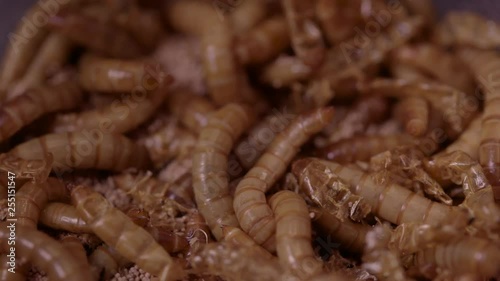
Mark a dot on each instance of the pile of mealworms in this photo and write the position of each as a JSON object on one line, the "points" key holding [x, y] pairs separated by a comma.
{"points": [[250, 140]]}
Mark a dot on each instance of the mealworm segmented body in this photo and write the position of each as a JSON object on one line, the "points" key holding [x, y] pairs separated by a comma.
{"points": [[84, 150], [254, 214], [26, 108], [486, 67], [210, 178], [462, 255], [32, 198], [362, 148], [263, 42], [63, 217], [393, 202], [307, 41], [468, 142], [413, 113], [45, 253], [293, 235], [100, 37], [239, 237], [118, 231]]}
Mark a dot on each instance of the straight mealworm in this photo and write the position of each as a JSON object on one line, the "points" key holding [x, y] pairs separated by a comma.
{"points": [[254, 214], [118, 231], [84, 150], [210, 178], [26, 108], [393, 202]]}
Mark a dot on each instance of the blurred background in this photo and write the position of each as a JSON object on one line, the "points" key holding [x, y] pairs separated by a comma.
{"points": [[12, 10]]}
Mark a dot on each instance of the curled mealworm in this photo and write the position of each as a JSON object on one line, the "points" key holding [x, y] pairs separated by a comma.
{"points": [[413, 113], [247, 14], [118, 231], [100, 37], [64, 217], [451, 103], [45, 253], [224, 77], [437, 63], [50, 58], [392, 202], [362, 148], [254, 214], [32, 198], [239, 237], [24, 109], [293, 235], [19, 53], [263, 42], [486, 67], [192, 110], [109, 75], [210, 178], [329, 191], [364, 112], [351, 236], [462, 255], [468, 28], [85, 150], [285, 70], [338, 18], [307, 41]]}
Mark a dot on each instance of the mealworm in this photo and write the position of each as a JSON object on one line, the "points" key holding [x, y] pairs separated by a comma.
{"points": [[32, 198], [121, 116], [284, 71], [76, 248], [468, 142], [307, 41], [63, 217], [364, 112], [437, 63], [192, 110], [108, 75], [413, 113], [51, 56], [468, 28], [237, 236], [486, 67], [462, 255], [19, 54], [84, 150], [351, 236], [247, 14], [293, 234], [263, 42], [338, 18], [105, 262], [118, 231], [210, 178], [393, 202], [45, 253], [103, 38], [26, 108], [225, 79], [362, 148], [254, 214], [236, 262], [329, 191], [451, 103]]}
